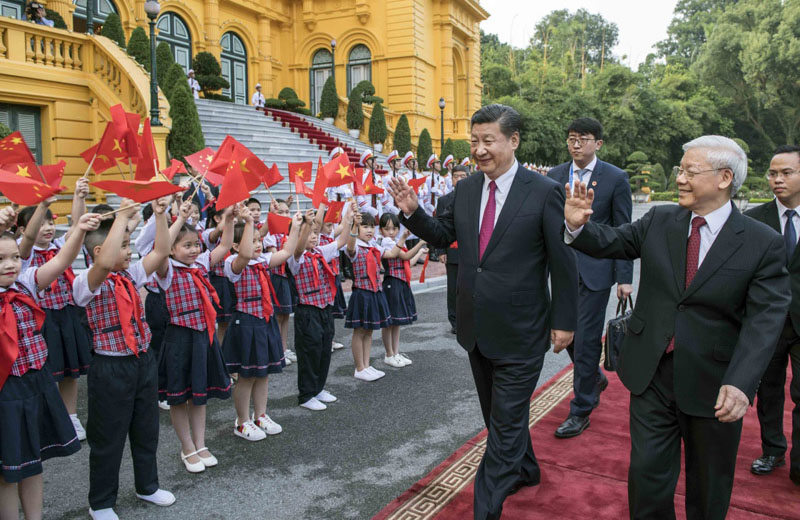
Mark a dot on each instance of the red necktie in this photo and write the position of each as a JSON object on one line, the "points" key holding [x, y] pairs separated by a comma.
{"points": [[125, 294], [266, 289], [49, 255], [316, 259], [407, 266], [373, 260], [487, 224], [207, 293], [692, 260], [9, 336]]}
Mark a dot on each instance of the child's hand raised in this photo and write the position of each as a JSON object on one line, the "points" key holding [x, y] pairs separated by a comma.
{"points": [[7, 217], [89, 221], [185, 209], [405, 234], [310, 213], [245, 214], [160, 205], [49, 200], [82, 187], [228, 214], [297, 220], [128, 208]]}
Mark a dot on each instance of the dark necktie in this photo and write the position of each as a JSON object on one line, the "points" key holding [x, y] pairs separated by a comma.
{"points": [[692, 260], [487, 224], [790, 234]]}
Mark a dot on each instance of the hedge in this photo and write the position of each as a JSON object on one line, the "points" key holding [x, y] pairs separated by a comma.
{"points": [[208, 73], [448, 148], [424, 148], [175, 74], [355, 111], [663, 195], [329, 102], [112, 29], [377, 125], [139, 47], [5, 131], [186, 136], [164, 61], [402, 136]]}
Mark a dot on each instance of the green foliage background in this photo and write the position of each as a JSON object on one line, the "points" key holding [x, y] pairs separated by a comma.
{"points": [[402, 136], [139, 47], [186, 136], [112, 29], [424, 149]]}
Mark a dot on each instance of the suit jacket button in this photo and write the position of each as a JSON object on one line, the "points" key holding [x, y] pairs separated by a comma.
{"points": [[681, 308], [480, 270]]}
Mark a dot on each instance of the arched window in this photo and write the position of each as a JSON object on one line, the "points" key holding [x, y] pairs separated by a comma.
{"points": [[102, 8], [173, 30], [234, 67], [321, 68], [359, 66]]}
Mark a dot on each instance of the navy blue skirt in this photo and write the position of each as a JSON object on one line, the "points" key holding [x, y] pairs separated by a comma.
{"points": [[189, 368], [339, 303], [252, 346], [367, 310], [402, 308], [227, 297], [156, 315], [34, 425], [283, 293], [68, 342]]}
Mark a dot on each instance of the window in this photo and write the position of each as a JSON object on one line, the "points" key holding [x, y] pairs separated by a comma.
{"points": [[27, 120], [321, 69], [12, 9], [173, 30], [102, 8], [359, 66]]}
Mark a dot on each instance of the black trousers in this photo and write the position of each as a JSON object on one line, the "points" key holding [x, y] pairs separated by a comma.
{"points": [[313, 338], [771, 395], [452, 278], [123, 402], [504, 388], [586, 348], [657, 429], [157, 317]]}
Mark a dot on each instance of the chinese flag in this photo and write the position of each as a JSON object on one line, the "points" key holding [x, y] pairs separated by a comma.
{"points": [[416, 183], [335, 209], [126, 129], [147, 166], [175, 166], [358, 187], [300, 188], [273, 176], [320, 184], [13, 149], [104, 154], [139, 191], [200, 162], [25, 191], [370, 188], [302, 170], [252, 168], [278, 224], [53, 173], [339, 171], [234, 189]]}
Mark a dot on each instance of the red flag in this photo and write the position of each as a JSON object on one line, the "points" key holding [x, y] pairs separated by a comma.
{"points": [[302, 170], [53, 173], [416, 183], [252, 168], [339, 171], [175, 166], [358, 187], [126, 130], [147, 166], [320, 183], [278, 224], [424, 268], [13, 149], [334, 213], [139, 191], [24, 191], [105, 153], [370, 188], [234, 189], [300, 188], [200, 162], [273, 176]]}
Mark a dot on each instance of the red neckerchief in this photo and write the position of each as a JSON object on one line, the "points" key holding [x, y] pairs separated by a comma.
{"points": [[9, 336], [267, 290], [329, 274], [373, 261], [207, 293], [125, 294], [48, 255], [406, 265], [280, 244]]}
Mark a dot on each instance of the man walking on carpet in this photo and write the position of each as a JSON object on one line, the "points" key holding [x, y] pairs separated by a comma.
{"points": [[712, 301], [508, 223]]}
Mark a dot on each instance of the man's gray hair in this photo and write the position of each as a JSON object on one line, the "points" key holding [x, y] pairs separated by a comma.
{"points": [[723, 152]]}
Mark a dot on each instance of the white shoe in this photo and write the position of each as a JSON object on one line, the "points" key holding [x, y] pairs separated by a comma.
{"points": [[210, 461], [103, 514], [313, 404], [161, 497], [197, 467], [163, 405], [290, 355], [286, 360], [248, 431], [377, 373], [366, 375], [337, 345], [405, 359], [326, 397], [76, 423], [269, 426], [393, 361]]}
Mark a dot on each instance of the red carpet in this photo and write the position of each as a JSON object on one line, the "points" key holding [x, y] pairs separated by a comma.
{"points": [[586, 477]]}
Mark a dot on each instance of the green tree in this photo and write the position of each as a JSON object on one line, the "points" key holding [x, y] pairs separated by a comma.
{"points": [[55, 17], [355, 111], [377, 125], [5, 131], [208, 74], [139, 47], [498, 81], [448, 148], [164, 60], [186, 136], [687, 32], [402, 136], [329, 102], [175, 74], [112, 29], [424, 147], [461, 149]]}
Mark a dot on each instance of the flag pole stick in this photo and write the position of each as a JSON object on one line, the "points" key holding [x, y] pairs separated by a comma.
{"points": [[39, 170], [121, 173], [121, 209], [130, 168], [88, 168], [198, 185]]}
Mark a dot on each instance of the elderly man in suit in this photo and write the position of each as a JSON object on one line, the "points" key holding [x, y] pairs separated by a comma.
{"points": [[782, 215], [612, 205], [449, 255], [712, 301], [508, 223]]}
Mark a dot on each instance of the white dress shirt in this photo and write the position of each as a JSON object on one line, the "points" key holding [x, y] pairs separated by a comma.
{"points": [[500, 193], [586, 174], [782, 218], [708, 233]]}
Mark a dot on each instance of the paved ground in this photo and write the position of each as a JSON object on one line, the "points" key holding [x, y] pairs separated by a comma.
{"points": [[343, 463]]}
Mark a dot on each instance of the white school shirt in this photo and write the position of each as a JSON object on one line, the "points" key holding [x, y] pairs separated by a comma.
{"points": [[782, 218], [500, 193], [328, 252], [26, 278], [263, 258], [203, 260]]}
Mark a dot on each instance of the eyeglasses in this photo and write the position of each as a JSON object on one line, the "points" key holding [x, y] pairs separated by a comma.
{"points": [[787, 174], [691, 175], [572, 141]]}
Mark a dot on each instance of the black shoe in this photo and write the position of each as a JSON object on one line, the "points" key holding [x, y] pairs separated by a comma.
{"points": [[766, 463], [602, 385], [521, 484], [572, 427], [452, 330], [795, 477]]}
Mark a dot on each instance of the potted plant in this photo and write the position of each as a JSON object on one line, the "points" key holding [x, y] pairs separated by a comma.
{"points": [[329, 102], [377, 128], [355, 113]]}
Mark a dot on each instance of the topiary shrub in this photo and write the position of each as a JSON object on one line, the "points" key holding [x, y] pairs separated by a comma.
{"points": [[139, 47], [461, 149], [448, 148], [5, 131], [355, 112], [175, 75], [377, 125], [402, 136], [218, 97], [275, 103], [304, 111], [164, 61], [329, 102], [287, 93], [186, 136], [367, 90], [208, 73], [112, 29], [58, 21], [425, 147], [294, 104]]}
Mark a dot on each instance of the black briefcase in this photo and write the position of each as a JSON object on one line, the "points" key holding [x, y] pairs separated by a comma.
{"points": [[615, 334]]}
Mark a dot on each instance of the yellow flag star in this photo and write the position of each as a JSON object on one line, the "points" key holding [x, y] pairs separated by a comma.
{"points": [[300, 173], [343, 171], [243, 166], [209, 157], [16, 140], [22, 171], [117, 147]]}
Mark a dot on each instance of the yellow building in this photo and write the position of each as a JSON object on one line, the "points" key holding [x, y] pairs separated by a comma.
{"points": [[58, 85]]}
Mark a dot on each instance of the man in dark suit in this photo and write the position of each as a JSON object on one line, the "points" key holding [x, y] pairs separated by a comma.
{"points": [[507, 221], [449, 255], [709, 311], [782, 215], [612, 206]]}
